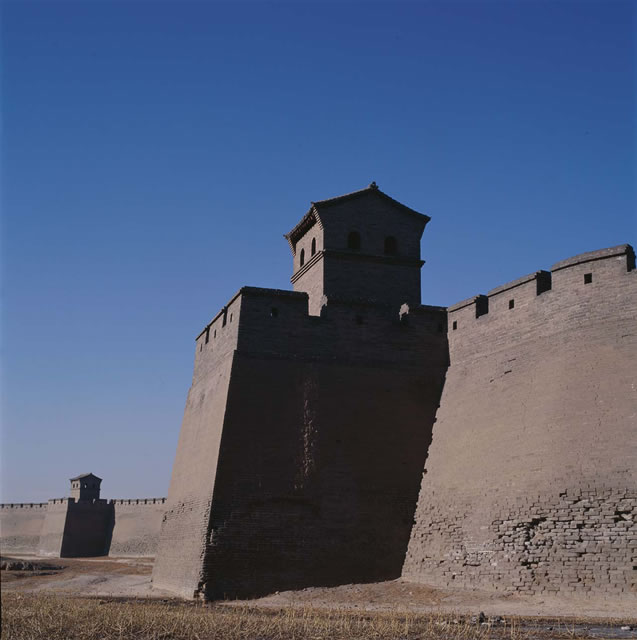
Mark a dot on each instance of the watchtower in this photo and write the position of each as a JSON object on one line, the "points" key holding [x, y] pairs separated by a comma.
{"points": [[360, 246], [85, 487]]}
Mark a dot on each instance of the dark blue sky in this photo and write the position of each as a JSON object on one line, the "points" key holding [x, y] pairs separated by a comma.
{"points": [[154, 153]]}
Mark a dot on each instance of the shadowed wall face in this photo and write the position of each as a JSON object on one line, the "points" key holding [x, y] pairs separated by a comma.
{"points": [[87, 529], [316, 486], [531, 481], [313, 447]]}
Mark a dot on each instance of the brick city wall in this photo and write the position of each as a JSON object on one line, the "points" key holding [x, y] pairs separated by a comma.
{"points": [[136, 526], [303, 466], [21, 526], [52, 533], [63, 527], [531, 484], [184, 531]]}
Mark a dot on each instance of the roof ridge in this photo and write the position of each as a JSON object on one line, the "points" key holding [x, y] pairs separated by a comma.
{"points": [[372, 186]]}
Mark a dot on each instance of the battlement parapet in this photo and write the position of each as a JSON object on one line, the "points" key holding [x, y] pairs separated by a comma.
{"points": [[463, 303], [137, 501], [543, 302], [24, 505], [600, 254], [542, 280], [277, 323]]}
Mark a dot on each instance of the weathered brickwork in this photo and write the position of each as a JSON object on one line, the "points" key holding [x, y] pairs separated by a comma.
{"points": [[579, 540], [531, 480]]}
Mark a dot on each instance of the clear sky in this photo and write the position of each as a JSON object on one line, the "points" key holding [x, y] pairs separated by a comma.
{"points": [[154, 153]]}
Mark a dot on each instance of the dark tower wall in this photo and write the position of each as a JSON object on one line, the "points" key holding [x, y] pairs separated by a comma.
{"points": [[76, 529], [326, 429], [383, 265], [531, 482]]}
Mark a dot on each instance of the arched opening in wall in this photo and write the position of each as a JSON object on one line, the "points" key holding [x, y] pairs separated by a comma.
{"points": [[391, 246], [354, 241], [313, 246], [207, 335], [302, 257]]}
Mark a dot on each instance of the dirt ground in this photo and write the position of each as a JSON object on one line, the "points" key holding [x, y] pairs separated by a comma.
{"points": [[131, 578]]}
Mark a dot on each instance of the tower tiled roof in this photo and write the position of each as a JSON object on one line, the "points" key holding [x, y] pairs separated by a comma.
{"points": [[313, 215], [85, 475]]}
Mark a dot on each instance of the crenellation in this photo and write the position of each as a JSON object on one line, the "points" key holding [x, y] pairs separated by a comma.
{"points": [[23, 505], [533, 314]]}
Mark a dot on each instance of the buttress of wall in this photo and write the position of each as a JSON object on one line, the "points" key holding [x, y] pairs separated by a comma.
{"points": [[21, 526], [183, 533], [531, 483], [136, 527], [326, 430], [87, 529], [52, 534]]}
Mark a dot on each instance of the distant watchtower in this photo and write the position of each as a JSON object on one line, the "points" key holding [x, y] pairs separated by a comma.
{"points": [[360, 246], [85, 487]]}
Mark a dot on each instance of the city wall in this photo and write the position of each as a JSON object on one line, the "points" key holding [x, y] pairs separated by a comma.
{"points": [[136, 526], [311, 432], [21, 526], [531, 483], [63, 527]]}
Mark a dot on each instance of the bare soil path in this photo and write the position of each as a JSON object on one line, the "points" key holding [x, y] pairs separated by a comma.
{"points": [[131, 578]]}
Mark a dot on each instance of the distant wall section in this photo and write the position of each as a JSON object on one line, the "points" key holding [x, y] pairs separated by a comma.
{"points": [[21, 527], [63, 527], [136, 526]]}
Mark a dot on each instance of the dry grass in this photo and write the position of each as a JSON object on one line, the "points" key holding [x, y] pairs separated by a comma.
{"points": [[46, 617]]}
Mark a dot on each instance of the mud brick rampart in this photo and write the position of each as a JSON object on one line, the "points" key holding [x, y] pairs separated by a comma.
{"points": [[531, 479]]}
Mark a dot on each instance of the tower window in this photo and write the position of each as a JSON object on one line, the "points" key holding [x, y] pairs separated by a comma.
{"points": [[354, 241], [511, 304], [313, 246], [588, 278], [391, 246], [455, 325], [207, 334], [302, 258]]}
